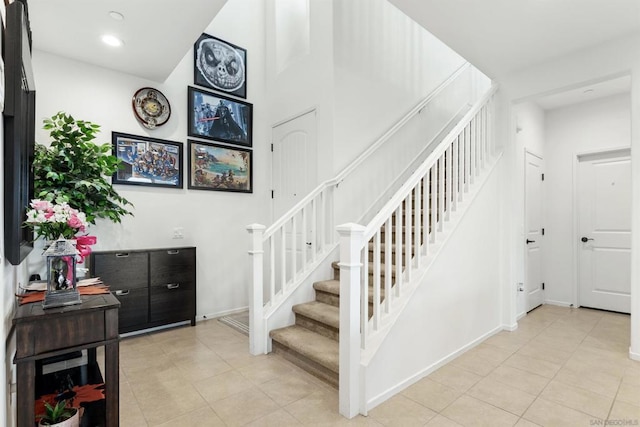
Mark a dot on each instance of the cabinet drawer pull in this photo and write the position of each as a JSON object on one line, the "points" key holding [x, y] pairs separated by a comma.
{"points": [[122, 255], [173, 252], [173, 285], [120, 293]]}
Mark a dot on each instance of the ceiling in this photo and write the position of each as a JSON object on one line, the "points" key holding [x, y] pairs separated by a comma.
{"points": [[156, 33], [504, 36]]}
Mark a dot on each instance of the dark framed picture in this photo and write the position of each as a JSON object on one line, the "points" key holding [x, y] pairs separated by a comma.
{"points": [[147, 161], [217, 117], [220, 65], [220, 168]]}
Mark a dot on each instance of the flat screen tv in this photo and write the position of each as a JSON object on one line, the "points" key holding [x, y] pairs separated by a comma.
{"points": [[19, 131]]}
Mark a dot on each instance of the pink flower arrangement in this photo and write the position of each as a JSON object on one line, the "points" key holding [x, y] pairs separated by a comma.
{"points": [[50, 221]]}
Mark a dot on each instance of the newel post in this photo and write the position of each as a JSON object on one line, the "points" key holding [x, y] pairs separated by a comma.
{"points": [[351, 243], [257, 339]]}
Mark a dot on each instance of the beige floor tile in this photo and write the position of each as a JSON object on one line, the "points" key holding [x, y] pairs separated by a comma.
{"points": [[502, 396], [533, 365], [245, 407], [545, 352], [401, 411], [585, 376], [203, 366], [629, 393], [632, 374], [440, 421], [222, 386], [550, 414], [472, 362], [287, 389], [454, 377], [279, 418], [204, 417], [318, 407], [162, 401], [569, 345], [471, 412], [623, 412], [130, 412], [524, 423], [577, 398], [507, 341], [522, 380], [266, 369], [431, 394]]}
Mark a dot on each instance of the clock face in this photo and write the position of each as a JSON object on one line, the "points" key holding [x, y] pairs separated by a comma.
{"points": [[151, 107]]}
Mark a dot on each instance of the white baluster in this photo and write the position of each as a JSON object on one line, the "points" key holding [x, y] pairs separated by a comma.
{"points": [[408, 226], [376, 280], [398, 248], [417, 214], [456, 172], [440, 192], [449, 181], [388, 264], [434, 202]]}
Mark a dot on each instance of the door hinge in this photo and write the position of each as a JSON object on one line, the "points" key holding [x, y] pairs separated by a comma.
{"points": [[543, 177], [543, 231], [272, 148], [543, 286], [272, 194]]}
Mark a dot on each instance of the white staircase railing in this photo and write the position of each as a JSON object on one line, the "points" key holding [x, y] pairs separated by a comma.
{"points": [[378, 262], [284, 255]]}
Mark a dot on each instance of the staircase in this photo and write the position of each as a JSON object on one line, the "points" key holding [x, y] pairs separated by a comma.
{"points": [[312, 342], [344, 319]]}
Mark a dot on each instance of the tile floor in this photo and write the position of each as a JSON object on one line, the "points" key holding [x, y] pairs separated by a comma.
{"points": [[562, 367]]}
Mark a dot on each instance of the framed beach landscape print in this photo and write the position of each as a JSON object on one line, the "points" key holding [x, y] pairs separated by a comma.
{"points": [[147, 161], [220, 65], [220, 168], [216, 117]]}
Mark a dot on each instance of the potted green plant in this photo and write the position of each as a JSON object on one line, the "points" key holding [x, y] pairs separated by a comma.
{"points": [[75, 170], [59, 415]]}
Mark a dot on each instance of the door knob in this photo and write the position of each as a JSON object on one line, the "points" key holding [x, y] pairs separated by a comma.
{"points": [[530, 241], [585, 239]]}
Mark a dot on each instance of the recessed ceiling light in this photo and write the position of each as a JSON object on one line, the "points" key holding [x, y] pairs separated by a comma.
{"points": [[112, 40], [116, 15]]}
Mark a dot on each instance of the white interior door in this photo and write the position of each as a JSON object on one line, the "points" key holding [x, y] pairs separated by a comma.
{"points": [[294, 166], [604, 224], [533, 231], [294, 175]]}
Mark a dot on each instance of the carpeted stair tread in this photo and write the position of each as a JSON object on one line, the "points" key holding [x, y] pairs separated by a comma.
{"points": [[328, 286], [311, 345], [320, 312]]}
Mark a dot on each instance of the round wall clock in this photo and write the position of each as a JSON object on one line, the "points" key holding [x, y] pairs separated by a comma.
{"points": [[151, 107]]}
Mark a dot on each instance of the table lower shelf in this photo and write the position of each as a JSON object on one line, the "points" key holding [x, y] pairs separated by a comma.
{"points": [[89, 374]]}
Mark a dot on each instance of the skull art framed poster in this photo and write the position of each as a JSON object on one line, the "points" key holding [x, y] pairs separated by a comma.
{"points": [[220, 65]]}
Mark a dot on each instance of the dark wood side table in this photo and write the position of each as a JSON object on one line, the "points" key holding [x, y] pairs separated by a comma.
{"points": [[46, 333]]}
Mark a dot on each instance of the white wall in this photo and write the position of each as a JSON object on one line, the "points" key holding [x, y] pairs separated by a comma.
{"points": [[384, 64], [530, 136], [457, 305], [581, 128], [213, 221]]}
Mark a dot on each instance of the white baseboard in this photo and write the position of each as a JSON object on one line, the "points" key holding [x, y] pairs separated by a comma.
{"points": [[220, 314], [558, 303], [521, 315], [634, 355], [511, 327], [375, 401]]}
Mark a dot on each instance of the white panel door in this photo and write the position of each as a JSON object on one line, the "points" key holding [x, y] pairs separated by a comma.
{"points": [[533, 231], [294, 166], [604, 224], [294, 175]]}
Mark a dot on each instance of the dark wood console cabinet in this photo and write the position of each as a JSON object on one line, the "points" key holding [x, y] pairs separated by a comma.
{"points": [[155, 287], [41, 334]]}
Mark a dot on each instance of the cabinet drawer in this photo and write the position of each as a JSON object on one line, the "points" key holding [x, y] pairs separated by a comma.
{"points": [[172, 266], [172, 302], [121, 270], [68, 331], [134, 308]]}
